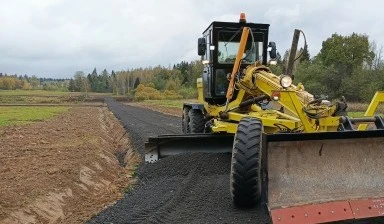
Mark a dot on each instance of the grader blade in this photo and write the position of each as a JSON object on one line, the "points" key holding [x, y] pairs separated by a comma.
{"points": [[325, 177], [169, 145]]}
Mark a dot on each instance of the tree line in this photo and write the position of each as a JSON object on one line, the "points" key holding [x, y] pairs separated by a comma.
{"points": [[179, 79], [349, 66], [25, 82]]}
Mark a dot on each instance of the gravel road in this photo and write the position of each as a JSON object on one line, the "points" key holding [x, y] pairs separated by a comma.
{"points": [[190, 188], [181, 189]]}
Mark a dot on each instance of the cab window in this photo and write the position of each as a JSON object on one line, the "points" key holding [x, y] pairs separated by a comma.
{"points": [[228, 45]]}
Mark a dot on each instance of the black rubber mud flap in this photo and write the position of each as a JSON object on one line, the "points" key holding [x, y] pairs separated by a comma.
{"points": [[245, 179]]}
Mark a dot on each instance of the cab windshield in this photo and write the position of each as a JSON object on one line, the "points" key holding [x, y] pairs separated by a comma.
{"points": [[228, 46]]}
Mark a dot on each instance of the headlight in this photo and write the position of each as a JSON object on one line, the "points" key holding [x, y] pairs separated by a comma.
{"points": [[285, 81]]}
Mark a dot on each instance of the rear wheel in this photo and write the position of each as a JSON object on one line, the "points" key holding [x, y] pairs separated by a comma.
{"points": [[196, 122], [185, 121], [245, 178]]}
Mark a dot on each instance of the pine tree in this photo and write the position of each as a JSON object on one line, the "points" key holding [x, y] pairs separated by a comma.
{"points": [[305, 54], [137, 83], [71, 86]]}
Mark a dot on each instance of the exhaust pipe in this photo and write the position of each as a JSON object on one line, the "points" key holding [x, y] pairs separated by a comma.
{"points": [[292, 54]]}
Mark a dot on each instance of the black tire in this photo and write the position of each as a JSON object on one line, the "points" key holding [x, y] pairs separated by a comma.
{"points": [[196, 121], [245, 178], [185, 121]]}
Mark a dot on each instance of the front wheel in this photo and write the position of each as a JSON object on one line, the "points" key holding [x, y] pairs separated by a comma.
{"points": [[196, 122], [245, 177], [185, 120]]}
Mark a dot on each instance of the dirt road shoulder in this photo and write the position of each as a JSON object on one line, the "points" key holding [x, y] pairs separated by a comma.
{"points": [[65, 169]]}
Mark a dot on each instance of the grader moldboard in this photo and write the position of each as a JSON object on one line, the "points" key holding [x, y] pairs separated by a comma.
{"points": [[299, 155]]}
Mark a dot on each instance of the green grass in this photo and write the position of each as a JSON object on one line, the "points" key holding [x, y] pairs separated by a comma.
{"points": [[47, 97], [33, 92], [168, 103], [128, 189], [132, 185], [358, 109], [361, 114], [16, 115], [134, 170], [356, 114], [19, 92]]}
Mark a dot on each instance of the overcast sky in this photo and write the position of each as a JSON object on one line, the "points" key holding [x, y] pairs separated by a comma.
{"points": [[56, 38]]}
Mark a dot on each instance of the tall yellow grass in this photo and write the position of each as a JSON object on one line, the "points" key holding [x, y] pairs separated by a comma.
{"points": [[362, 107]]}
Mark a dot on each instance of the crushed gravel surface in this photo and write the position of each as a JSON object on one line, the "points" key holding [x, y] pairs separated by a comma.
{"points": [[189, 188]]}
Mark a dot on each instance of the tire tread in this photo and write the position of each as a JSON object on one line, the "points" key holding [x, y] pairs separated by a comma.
{"points": [[245, 181], [196, 121]]}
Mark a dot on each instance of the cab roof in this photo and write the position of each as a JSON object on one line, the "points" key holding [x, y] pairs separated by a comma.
{"points": [[218, 24]]}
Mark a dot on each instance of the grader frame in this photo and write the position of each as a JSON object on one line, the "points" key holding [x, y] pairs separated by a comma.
{"points": [[307, 161]]}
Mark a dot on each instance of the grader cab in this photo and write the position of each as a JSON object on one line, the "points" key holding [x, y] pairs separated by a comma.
{"points": [[300, 156]]}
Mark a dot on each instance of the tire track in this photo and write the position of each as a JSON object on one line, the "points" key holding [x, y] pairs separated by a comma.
{"points": [[191, 188], [164, 213], [141, 125], [151, 118]]}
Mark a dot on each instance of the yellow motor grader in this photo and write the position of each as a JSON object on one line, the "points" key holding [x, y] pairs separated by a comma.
{"points": [[299, 155]]}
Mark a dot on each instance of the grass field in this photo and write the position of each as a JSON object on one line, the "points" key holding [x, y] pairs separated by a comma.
{"points": [[170, 103], [47, 97], [33, 92], [45, 93], [15, 115], [166, 103]]}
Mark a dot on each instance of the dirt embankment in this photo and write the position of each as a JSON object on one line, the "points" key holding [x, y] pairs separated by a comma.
{"points": [[63, 170]]}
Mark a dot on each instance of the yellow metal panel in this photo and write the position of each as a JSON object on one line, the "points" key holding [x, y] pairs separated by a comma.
{"points": [[222, 126], [268, 120], [200, 96], [286, 116], [329, 124], [214, 110], [256, 108], [290, 100], [377, 98]]}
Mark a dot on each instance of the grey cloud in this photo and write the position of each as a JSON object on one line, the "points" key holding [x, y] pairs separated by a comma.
{"points": [[55, 38]]}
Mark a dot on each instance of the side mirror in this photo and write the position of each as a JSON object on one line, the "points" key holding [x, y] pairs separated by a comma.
{"points": [[272, 50], [201, 46]]}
